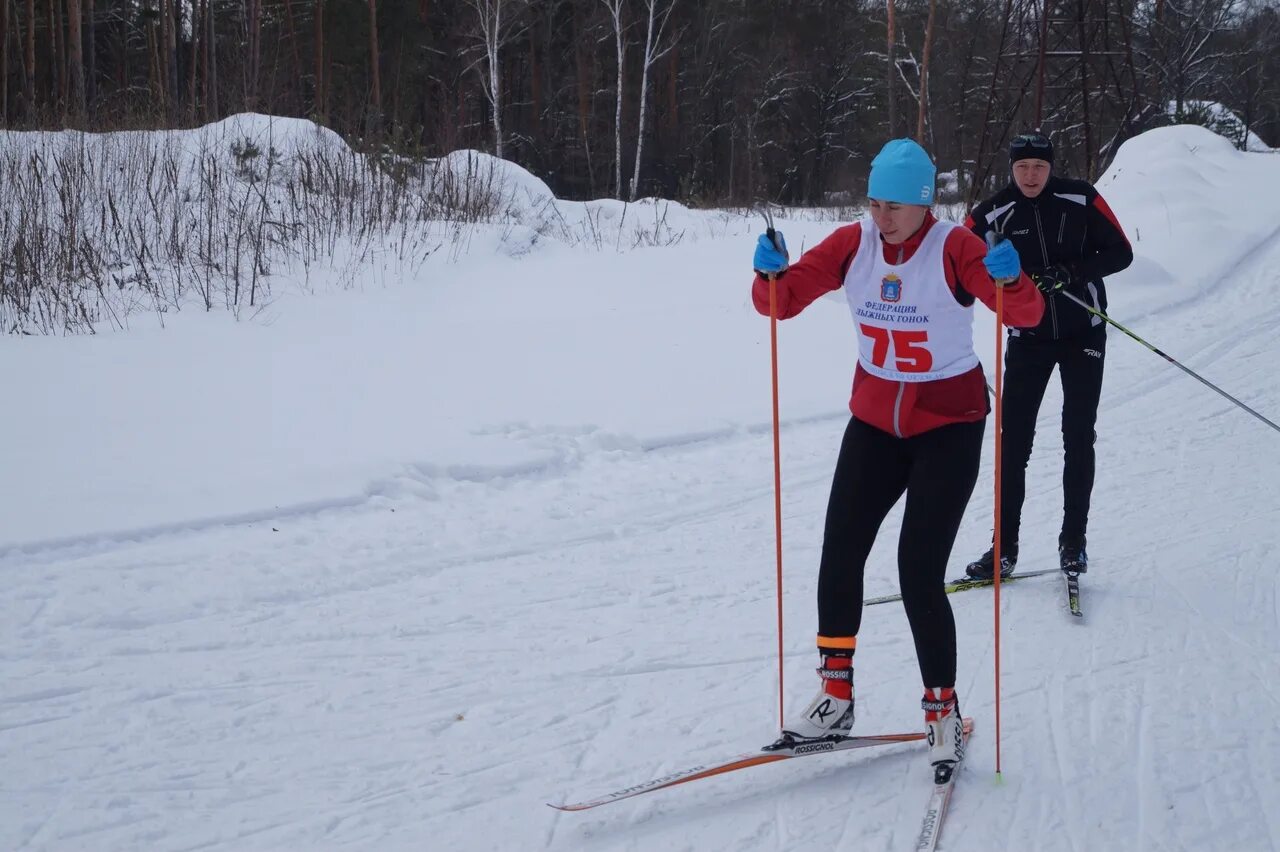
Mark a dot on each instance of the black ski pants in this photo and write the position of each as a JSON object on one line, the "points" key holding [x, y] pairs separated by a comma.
{"points": [[937, 470], [1029, 363]]}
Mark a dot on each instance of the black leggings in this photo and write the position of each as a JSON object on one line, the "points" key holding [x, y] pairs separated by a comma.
{"points": [[937, 470]]}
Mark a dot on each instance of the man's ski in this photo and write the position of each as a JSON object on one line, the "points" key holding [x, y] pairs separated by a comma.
{"points": [[1073, 593], [936, 811], [743, 761], [964, 584]]}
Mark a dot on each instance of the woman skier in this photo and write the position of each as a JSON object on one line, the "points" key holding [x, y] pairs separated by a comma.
{"points": [[919, 409]]}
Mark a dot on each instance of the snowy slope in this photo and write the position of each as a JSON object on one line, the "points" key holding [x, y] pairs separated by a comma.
{"points": [[528, 557]]}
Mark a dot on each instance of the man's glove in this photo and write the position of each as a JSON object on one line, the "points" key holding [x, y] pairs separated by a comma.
{"points": [[1002, 263], [1053, 279], [771, 259]]}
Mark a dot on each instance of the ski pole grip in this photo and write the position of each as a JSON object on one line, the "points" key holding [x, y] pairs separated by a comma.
{"points": [[995, 238]]}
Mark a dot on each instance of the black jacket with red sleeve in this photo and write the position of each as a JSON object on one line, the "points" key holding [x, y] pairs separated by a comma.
{"points": [[1067, 225]]}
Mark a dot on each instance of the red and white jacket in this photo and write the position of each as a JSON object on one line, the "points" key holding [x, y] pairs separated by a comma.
{"points": [[898, 407]]}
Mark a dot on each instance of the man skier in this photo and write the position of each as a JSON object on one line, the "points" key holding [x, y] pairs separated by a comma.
{"points": [[919, 409], [1068, 239]]}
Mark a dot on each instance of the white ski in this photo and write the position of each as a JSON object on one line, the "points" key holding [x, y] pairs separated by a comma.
{"points": [[936, 811]]}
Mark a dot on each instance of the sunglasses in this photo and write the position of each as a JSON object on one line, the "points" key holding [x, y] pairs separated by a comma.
{"points": [[1035, 140]]}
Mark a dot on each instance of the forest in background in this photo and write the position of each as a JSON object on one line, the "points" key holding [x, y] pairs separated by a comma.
{"points": [[707, 101]]}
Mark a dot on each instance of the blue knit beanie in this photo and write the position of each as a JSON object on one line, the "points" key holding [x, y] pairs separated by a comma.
{"points": [[902, 172]]}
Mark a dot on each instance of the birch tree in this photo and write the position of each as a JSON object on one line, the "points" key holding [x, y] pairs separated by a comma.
{"points": [[614, 8], [496, 27], [658, 14]]}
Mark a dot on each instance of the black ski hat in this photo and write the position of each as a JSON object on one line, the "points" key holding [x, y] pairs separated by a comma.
{"points": [[1030, 146]]}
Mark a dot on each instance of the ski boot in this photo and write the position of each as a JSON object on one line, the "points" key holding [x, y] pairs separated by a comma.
{"points": [[945, 729], [983, 568], [1071, 554], [829, 717]]}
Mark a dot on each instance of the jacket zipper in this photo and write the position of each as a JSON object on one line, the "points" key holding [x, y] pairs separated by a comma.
{"points": [[1044, 254], [897, 409], [902, 386]]}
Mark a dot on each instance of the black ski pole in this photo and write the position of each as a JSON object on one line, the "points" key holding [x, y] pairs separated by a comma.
{"points": [[1192, 373]]}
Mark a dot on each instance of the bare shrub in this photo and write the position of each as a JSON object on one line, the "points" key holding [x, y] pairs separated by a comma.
{"points": [[96, 228]]}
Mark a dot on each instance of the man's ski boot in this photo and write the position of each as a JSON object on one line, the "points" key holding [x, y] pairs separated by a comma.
{"points": [[945, 729], [829, 716], [1071, 554], [984, 567]]}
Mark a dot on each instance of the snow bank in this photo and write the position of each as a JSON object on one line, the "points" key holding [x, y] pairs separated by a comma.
{"points": [[240, 143], [504, 192], [1190, 203], [491, 362]]}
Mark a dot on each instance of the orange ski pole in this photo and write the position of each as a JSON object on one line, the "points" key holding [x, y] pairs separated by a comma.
{"points": [[993, 239], [777, 462]]}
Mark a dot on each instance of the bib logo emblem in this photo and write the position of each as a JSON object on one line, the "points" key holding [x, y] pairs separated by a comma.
{"points": [[890, 288]]}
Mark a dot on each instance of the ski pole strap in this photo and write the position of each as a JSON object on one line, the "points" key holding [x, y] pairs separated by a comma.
{"points": [[1192, 373]]}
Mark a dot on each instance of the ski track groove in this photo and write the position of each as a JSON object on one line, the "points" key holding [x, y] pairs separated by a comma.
{"points": [[645, 821], [611, 707], [1144, 762], [1057, 687], [1248, 649]]}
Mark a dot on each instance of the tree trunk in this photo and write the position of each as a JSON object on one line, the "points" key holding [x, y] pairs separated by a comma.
{"points": [[495, 79], [673, 92], [535, 77], [489, 17], [171, 60], [293, 43], [162, 55], [1041, 61], [4, 64], [211, 108], [193, 62], [375, 118], [617, 121], [91, 59], [254, 54], [924, 73], [615, 13], [644, 99], [652, 52], [586, 85], [154, 79], [29, 81], [57, 59], [1084, 91], [891, 69], [75, 58], [318, 102]]}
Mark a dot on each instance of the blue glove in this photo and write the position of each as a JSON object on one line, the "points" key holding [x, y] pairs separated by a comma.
{"points": [[1002, 262], [769, 260]]}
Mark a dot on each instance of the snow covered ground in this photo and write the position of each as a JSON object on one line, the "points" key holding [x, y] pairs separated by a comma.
{"points": [[391, 569]]}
